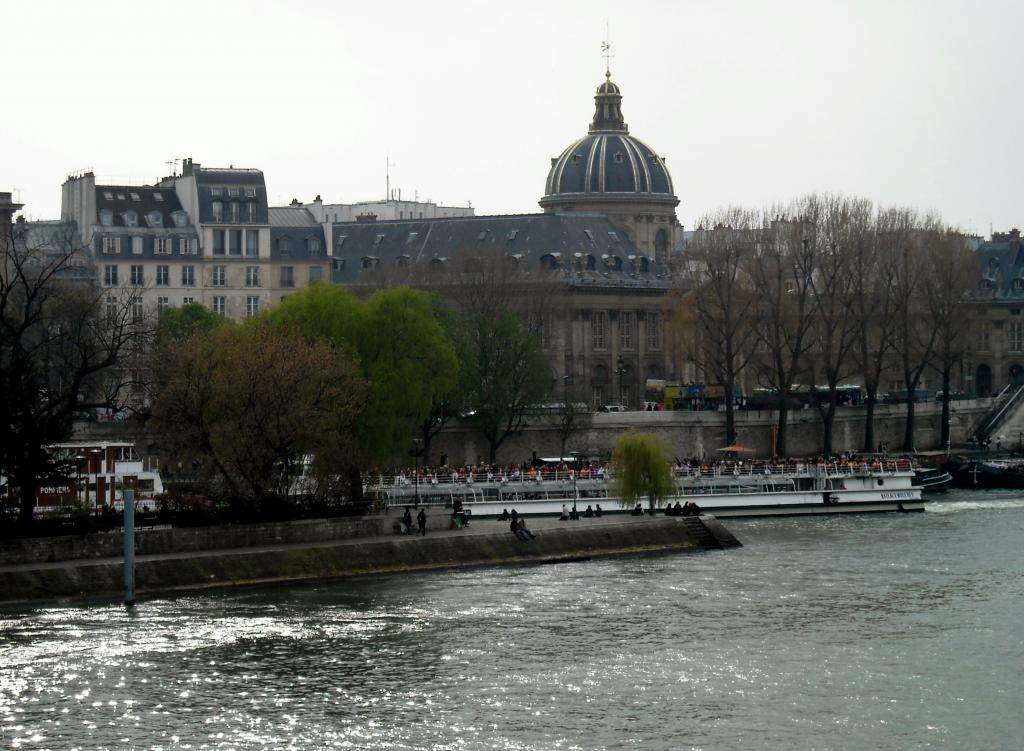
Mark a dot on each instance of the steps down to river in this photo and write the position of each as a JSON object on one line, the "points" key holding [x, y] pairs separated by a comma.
{"points": [[701, 533]]}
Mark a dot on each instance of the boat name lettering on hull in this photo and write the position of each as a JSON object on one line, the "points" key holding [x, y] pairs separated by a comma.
{"points": [[894, 495]]}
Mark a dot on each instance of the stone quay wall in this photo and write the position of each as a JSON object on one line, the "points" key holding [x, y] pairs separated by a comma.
{"points": [[700, 433], [156, 575]]}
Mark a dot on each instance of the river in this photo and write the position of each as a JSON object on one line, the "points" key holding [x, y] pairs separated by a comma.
{"points": [[888, 631]]}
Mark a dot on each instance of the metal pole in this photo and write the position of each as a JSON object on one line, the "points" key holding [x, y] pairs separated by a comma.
{"points": [[129, 548]]}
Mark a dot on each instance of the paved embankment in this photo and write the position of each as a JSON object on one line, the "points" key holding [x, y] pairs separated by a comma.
{"points": [[484, 543]]}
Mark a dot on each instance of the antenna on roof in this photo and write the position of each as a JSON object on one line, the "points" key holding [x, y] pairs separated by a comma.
{"points": [[172, 164], [388, 164]]}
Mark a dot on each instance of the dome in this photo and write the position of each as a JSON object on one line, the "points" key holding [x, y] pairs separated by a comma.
{"points": [[608, 163]]}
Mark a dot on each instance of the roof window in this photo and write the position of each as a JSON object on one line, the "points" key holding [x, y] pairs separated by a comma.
{"points": [[618, 157], [340, 240], [120, 196], [378, 240], [135, 196], [108, 195], [613, 236], [482, 235], [512, 235], [412, 237], [158, 196], [589, 234]]}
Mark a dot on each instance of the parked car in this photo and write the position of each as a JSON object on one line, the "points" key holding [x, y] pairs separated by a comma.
{"points": [[614, 408]]}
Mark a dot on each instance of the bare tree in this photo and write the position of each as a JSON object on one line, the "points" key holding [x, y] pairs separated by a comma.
{"points": [[713, 306], [783, 272], [952, 271], [841, 226], [64, 349], [914, 336]]}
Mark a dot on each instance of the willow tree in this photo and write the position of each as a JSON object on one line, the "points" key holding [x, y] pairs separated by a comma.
{"points": [[641, 469]]}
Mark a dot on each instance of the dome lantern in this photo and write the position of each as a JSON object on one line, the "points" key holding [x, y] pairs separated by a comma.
{"points": [[608, 108]]}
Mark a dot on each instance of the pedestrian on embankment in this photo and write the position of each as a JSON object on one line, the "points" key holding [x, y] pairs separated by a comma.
{"points": [[421, 519]]}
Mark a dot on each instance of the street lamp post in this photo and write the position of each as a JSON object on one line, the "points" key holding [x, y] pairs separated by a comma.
{"points": [[620, 370], [416, 471], [575, 491]]}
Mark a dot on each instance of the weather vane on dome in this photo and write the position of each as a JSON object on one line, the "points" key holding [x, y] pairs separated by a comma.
{"points": [[606, 49]]}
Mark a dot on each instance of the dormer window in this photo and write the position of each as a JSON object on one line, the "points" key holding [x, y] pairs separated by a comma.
{"points": [[1018, 283], [369, 262], [180, 218], [250, 212], [549, 261], [313, 245], [576, 158], [284, 245], [131, 219], [250, 192], [218, 211], [987, 284], [402, 260], [215, 191], [155, 219], [106, 217], [234, 212], [232, 192], [618, 157]]}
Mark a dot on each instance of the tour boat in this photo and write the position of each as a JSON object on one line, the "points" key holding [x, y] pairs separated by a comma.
{"points": [[725, 490]]}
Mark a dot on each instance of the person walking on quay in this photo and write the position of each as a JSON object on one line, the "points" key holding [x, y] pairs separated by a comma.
{"points": [[421, 519]]}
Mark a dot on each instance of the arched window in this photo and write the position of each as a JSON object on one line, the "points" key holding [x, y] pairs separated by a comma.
{"points": [[549, 261]]}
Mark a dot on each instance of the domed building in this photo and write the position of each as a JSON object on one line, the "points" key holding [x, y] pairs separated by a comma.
{"points": [[613, 173]]}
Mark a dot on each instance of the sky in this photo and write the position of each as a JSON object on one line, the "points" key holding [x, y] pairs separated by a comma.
{"points": [[910, 102]]}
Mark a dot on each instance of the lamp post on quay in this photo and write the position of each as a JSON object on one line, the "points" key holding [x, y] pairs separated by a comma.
{"points": [[416, 442], [620, 370], [575, 492]]}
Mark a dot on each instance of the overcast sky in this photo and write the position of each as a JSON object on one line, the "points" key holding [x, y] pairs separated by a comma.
{"points": [[917, 102]]}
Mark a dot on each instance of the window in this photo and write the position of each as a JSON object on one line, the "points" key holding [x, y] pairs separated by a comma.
{"points": [[135, 196], [218, 305], [287, 276], [111, 245], [512, 235], [1015, 336], [378, 240], [162, 303], [233, 192], [613, 237], [984, 335], [180, 218], [252, 276], [158, 197], [546, 326], [155, 219], [618, 157], [106, 217], [235, 242], [111, 308], [369, 262], [412, 238], [110, 276], [131, 219], [136, 246], [589, 234], [218, 211], [216, 191], [252, 305], [188, 246], [250, 212], [108, 195], [314, 246], [653, 325], [235, 214], [218, 242], [250, 192], [219, 276], [252, 243], [316, 273], [163, 276], [161, 246], [627, 327], [284, 245], [599, 330], [188, 301], [340, 240], [188, 276], [136, 309]]}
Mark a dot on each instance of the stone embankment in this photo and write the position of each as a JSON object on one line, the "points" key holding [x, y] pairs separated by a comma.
{"points": [[485, 543]]}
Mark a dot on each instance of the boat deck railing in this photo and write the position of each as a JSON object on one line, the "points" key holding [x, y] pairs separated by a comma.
{"points": [[470, 480]]}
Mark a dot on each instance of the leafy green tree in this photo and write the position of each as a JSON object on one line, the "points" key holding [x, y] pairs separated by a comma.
{"points": [[404, 354], [504, 373], [178, 324], [250, 402], [641, 467]]}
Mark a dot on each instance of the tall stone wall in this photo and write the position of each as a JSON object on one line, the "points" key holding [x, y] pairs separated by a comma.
{"points": [[700, 433]]}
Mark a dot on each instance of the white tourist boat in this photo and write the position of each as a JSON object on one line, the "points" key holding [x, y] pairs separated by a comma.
{"points": [[725, 490]]}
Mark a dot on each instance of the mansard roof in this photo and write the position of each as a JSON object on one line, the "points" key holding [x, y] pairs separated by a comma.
{"points": [[143, 200], [586, 249]]}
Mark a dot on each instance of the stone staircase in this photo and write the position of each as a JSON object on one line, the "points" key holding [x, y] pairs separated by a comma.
{"points": [[700, 533]]}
